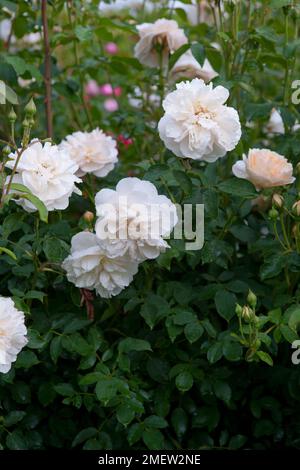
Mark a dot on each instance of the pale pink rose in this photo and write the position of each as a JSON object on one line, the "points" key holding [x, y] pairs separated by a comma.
{"points": [[111, 48], [111, 105], [164, 34], [106, 89], [264, 168], [92, 88], [117, 91]]}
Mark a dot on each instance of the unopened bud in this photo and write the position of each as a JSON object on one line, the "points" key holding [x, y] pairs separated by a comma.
{"points": [[294, 231], [296, 208], [88, 216], [6, 150], [30, 108], [25, 123], [12, 116], [247, 314], [273, 214], [298, 168], [252, 299], [277, 201], [238, 310]]}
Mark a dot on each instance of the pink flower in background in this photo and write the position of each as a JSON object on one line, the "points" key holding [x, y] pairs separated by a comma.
{"points": [[92, 88], [111, 105], [117, 91], [106, 89], [111, 48], [125, 141]]}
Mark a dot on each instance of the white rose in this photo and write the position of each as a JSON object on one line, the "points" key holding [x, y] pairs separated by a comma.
{"points": [[163, 33], [12, 333], [197, 124], [135, 219], [264, 168], [188, 67], [94, 152], [89, 266], [275, 124], [48, 172]]}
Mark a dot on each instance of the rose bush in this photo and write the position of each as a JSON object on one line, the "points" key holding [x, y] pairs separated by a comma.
{"points": [[113, 342]]}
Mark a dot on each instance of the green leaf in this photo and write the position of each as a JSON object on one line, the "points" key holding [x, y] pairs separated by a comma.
{"points": [[83, 33], [222, 390], [294, 320], [108, 387], [238, 187], [179, 421], [155, 422], [20, 66], [215, 352], [272, 266], [13, 417], [55, 348], [133, 344], [8, 252], [84, 435], [153, 439], [135, 433], [265, 357], [184, 381], [288, 334], [26, 359], [56, 250], [125, 414], [26, 194], [236, 442], [198, 52], [225, 304], [64, 389], [177, 54], [184, 181], [16, 441], [183, 317], [193, 331]]}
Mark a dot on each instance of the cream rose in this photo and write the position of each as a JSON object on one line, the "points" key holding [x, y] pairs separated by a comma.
{"points": [[90, 266], [48, 172], [12, 333], [134, 219], [197, 124], [264, 168], [94, 152], [163, 33]]}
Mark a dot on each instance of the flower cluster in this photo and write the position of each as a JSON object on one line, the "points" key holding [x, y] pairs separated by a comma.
{"points": [[132, 223]]}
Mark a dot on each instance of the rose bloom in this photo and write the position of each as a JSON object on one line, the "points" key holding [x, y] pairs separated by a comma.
{"points": [[89, 266], [264, 168], [111, 105], [48, 172], [188, 67], [163, 33], [275, 124], [197, 124], [12, 333], [92, 89], [111, 48], [94, 152], [106, 89], [135, 219]]}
